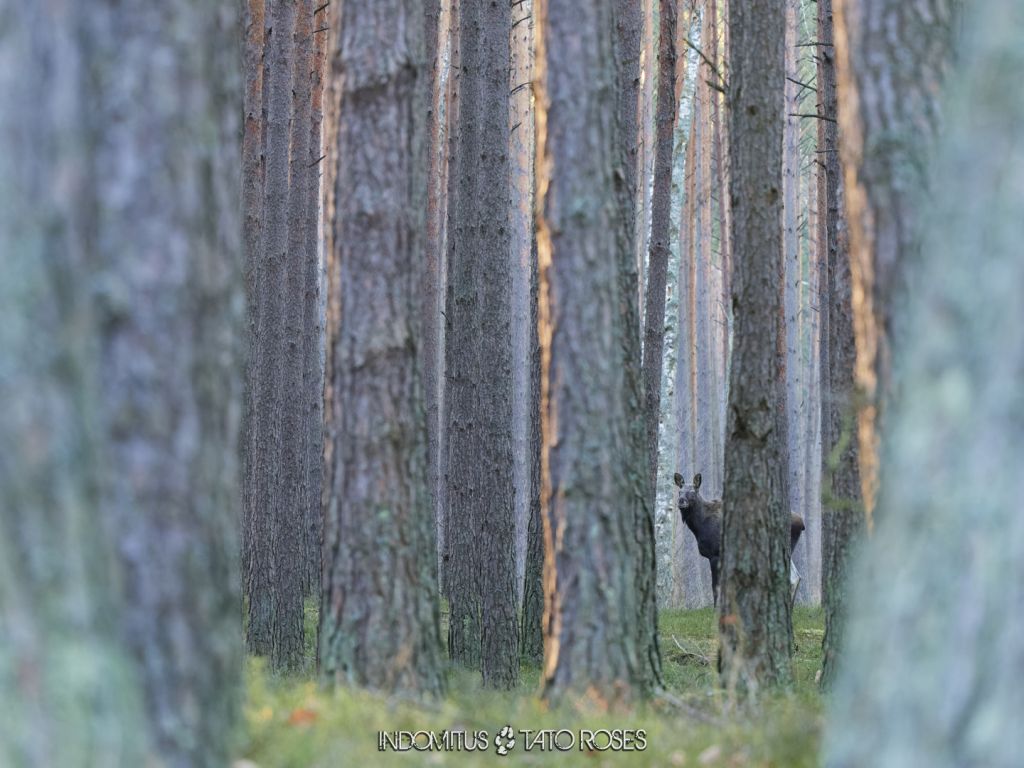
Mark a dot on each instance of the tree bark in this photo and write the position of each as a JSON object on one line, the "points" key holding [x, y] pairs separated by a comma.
{"points": [[590, 488], [313, 325], [120, 362], [843, 521], [480, 490], [435, 30], [379, 619], [629, 24], [756, 627], [661, 211], [290, 538], [274, 584], [253, 170], [891, 61], [935, 634], [796, 449], [524, 332], [532, 644]]}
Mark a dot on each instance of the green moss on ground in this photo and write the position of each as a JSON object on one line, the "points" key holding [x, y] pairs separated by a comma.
{"points": [[292, 722]]}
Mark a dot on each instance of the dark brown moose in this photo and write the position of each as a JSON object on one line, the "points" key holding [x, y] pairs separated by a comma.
{"points": [[704, 519]]}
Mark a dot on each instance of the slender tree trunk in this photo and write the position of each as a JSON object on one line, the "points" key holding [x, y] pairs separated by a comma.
{"points": [[480, 486], [524, 332], [590, 489], [435, 28], [522, 136], [843, 521], [451, 179], [629, 24], [646, 142], [661, 204], [755, 627], [253, 168], [277, 542], [312, 323], [796, 448], [120, 370], [891, 60], [331, 305], [945, 565], [669, 525], [289, 526], [379, 620], [697, 574], [532, 645]]}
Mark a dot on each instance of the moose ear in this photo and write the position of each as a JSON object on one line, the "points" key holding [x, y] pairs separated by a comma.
{"points": [[696, 482], [678, 478]]}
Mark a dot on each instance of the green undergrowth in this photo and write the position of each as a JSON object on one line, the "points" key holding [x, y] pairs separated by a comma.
{"points": [[291, 721]]}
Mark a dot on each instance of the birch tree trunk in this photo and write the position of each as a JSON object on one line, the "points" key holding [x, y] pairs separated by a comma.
{"points": [[936, 636], [120, 361], [797, 444], [755, 628], [524, 333], [379, 618]]}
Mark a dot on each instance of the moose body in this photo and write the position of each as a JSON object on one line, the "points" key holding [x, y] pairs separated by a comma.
{"points": [[704, 519]]}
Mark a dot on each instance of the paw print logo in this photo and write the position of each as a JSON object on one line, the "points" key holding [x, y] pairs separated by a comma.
{"points": [[504, 741]]}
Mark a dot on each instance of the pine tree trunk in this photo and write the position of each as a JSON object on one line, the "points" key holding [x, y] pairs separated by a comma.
{"points": [[629, 25], [480, 485], [379, 632], [290, 539], [274, 525], [589, 485], [532, 644], [120, 371], [755, 626], [928, 675], [891, 60], [843, 519], [253, 170]]}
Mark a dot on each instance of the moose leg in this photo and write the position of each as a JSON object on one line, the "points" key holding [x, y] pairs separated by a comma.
{"points": [[714, 578]]}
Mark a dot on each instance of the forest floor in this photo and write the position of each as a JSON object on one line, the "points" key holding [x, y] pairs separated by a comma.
{"points": [[291, 723]]}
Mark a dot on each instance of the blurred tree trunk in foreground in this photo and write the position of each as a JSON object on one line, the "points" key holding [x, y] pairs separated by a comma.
{"points": [[891, 60], [843, 519], [935, 644], [590, 488], [379, 621], [120, 356], [755, 623]]}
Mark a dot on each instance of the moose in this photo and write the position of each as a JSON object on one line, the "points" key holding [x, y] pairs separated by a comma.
{"points": [[704, 519]]}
